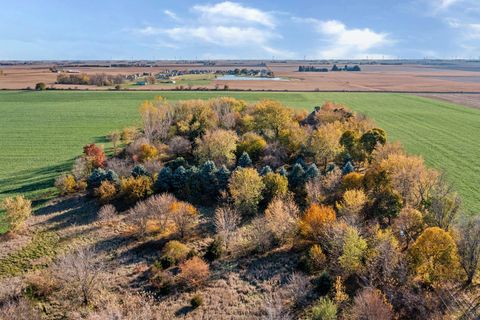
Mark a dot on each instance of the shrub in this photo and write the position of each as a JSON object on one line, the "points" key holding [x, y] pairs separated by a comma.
{"points": [[66, 184], [156, 208], [184, 217], [18, 210], [107, 212], [194, 272], [140, 170], [95, 155], [134, 189], [323, 284], [316, 220], [106, 192], [317, 257], [40, 86], [371, 304], [196, 301], [40, 285], [128, 134], [175, 250], [325, 309], [161, 280], [246, 188], [214, 250], [148, 152]]}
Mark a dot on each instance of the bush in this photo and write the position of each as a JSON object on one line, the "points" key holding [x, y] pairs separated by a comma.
{"points": [[175, 251], [184, 217], [317, 257], [18, 210], [140, 170], [194, 272], [214, 250], [106, 192], [196, 301], [325, 309], [107, 212], [40, 86], [95, 155], [323, 284], [66, 184], [371, 304], [148, 152], [128, 134], [134, 189], [161, 280], [316, 220]]}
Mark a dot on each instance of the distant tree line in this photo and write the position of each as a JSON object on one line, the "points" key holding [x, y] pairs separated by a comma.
{"points": [[334, 68], [99, 79]]}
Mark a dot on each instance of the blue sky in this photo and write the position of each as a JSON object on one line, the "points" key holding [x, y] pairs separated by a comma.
{"points": [[189, 29]]}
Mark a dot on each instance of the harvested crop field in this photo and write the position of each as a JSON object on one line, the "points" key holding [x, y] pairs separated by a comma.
{"points": [[43, 132], [373, 77], [465, 99]]}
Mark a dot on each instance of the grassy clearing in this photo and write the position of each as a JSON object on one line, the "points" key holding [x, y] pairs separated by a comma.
{"points": [[34, 255], [42, 132]]}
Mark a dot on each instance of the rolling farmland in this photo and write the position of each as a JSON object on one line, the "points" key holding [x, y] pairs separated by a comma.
{"points": [[42, 132]]}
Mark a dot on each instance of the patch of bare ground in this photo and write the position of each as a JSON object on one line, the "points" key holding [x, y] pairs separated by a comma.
{"points": [[465, 99]]}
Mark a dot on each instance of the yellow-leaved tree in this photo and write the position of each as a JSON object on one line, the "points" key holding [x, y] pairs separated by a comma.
{"points": [[434, 256]]}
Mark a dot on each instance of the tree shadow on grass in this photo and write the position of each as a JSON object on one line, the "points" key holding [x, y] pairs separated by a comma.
{"points": [[31, 180]]}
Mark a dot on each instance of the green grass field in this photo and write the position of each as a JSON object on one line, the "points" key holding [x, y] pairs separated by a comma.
{"points": [[42, 132]]}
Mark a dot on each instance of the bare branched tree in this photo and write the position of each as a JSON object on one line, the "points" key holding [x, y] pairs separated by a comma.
{"points": [[469, 247], [79, 274], [226, 222]]}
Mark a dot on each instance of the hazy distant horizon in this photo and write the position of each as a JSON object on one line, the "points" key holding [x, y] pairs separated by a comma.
{"points": [[232, 30]]}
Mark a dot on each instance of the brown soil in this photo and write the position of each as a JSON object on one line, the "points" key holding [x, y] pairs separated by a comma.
{"points": [[410, 78]]}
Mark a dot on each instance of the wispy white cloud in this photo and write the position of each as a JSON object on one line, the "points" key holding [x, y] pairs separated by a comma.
{"points": [[172, 15], [225, 24], [343, 42], [470, 31], [234, 12]]}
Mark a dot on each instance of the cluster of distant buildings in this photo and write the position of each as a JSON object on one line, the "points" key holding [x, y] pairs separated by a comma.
{"points": [[323, 69]]}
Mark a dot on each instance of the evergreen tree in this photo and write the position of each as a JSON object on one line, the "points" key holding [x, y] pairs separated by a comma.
{"points": [[296, 177], [179, 182], [208, 180], [174, 164], [193, 183], [139, 170], [164, 180], [244, 161], [312, 172], [112, 176], [347, 168], [282, 171], [96, 177], [265, 170], [222, 175]]}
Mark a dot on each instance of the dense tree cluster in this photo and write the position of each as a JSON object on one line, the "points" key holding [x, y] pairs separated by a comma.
{"points": [[99, 79], [377, 229]]}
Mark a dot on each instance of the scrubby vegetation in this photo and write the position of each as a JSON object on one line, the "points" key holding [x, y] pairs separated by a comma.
{"points": [[350, 225]]}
